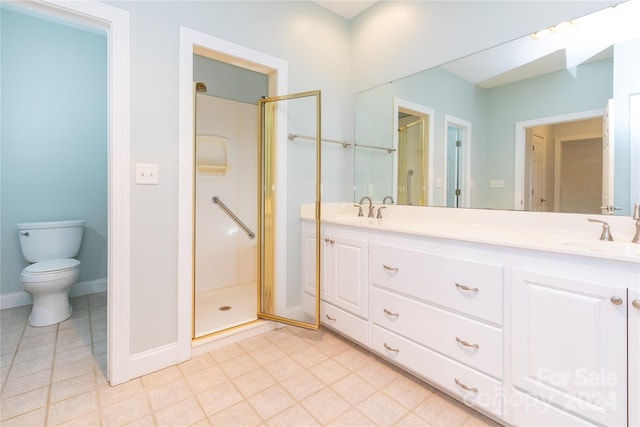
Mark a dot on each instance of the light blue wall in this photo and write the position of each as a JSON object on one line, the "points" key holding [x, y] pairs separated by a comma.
{"points": [[54, 137]]}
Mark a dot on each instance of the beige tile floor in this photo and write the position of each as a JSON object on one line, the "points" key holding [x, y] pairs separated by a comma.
{"points": [[289, 377]]}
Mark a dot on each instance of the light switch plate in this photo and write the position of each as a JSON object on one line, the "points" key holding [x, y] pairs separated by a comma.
{"points": [[496, 183], [146, 174]]}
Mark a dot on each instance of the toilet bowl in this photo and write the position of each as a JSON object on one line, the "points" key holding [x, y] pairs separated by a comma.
{"points": [[50, 246], [49, 282]]}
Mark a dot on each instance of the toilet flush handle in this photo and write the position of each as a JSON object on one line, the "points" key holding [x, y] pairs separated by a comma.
{"points": [[24, 233]]}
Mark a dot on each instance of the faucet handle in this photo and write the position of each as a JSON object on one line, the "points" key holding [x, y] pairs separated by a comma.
{"points": [[606, 230], [379, 216], [636, 211], [359, 209]]}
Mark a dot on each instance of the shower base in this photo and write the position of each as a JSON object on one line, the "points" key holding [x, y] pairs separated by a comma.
{"points": [[224, 308]]}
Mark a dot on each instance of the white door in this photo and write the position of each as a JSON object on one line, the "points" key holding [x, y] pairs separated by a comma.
{"points": [[570, 345], [607, 160], [537, 174]]}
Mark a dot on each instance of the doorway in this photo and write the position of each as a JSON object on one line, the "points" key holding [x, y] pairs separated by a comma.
{"points": [[225, 213], [457, 162], [116, 23], [551, 131], [564, 166], [193, 42], [413, 156]]}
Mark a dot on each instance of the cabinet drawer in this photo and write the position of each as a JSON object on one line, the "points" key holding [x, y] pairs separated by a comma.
{"points": [[345, 323], [470, 287], [468, 341], [472, 387]]}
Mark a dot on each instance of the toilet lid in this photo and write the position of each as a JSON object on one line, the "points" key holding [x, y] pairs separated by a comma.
{"points": [[52, 265]]}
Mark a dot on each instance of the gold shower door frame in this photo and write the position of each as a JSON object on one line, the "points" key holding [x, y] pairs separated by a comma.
{"points": [[270, 137]]}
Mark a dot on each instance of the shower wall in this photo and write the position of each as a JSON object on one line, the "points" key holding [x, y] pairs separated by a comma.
{"points": [[224, 254]]}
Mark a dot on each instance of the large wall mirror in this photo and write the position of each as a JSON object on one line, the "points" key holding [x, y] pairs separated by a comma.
{"points": [[539, 123]]}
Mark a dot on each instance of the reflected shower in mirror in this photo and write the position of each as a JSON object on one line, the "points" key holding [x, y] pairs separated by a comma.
{"points": [[508, 94]]}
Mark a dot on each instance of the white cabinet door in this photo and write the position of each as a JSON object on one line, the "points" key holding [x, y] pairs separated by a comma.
{"points": [[570, 345], [634, 357], [348, 274]]}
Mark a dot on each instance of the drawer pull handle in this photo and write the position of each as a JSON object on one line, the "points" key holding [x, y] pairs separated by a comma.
{"points": [[636, 303], [616, 300], [390, 313], [386, 267], [333, 319], [466, 344], [466, 387], [466, 288], [388, 347]]}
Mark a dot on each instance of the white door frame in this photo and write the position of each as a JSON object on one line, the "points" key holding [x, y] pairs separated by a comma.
{"points": [[520, 140], [191, 42], [116, 23]]}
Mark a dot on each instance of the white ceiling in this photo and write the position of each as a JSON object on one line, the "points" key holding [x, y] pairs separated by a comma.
{"points": [[346, 8]]}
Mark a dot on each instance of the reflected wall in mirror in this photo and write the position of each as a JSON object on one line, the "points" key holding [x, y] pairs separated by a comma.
{"points": [[505, 94]]}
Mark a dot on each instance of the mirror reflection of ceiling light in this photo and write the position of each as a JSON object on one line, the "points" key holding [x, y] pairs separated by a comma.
{"points": [[563, 26]]}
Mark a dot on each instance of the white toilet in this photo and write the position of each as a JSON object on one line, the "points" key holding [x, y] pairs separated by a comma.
{"points": [[50, 246]]}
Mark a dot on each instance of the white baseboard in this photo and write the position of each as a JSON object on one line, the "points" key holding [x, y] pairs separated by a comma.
{"points": [[20, 298], [152, 360]]}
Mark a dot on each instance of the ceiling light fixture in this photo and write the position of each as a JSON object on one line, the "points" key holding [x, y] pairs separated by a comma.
{"points": [[563, 26]]}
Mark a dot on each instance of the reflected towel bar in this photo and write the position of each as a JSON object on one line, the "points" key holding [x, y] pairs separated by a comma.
{"points": [[344, 144]]}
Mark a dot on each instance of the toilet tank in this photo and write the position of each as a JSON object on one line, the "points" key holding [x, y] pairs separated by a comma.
{"points": [[41, 241]]}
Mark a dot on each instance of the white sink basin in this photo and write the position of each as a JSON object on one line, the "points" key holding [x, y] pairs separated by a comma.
{"points": [[615, 247]]}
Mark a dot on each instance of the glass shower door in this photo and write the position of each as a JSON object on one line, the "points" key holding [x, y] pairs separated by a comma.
{"points": [[289, 184]]}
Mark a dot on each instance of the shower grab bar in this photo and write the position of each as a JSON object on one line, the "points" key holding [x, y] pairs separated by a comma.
{"points": [[293, 136], [216, 200]]}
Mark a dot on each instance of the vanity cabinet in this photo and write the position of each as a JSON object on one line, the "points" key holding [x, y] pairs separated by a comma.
{"points": [[569, 348], [440, 317], [527, 336], [633, 326]]}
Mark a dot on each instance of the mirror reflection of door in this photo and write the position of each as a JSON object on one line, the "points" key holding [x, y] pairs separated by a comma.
{"points": [[564, 166], [457, 173], [289, 177], [412, 159]]}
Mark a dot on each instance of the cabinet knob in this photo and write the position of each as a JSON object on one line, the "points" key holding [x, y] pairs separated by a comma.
{"points": [[636, 303], [391, 349], [616, 300]]}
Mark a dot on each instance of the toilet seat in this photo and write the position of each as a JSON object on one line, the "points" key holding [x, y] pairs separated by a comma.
{"points": [[52, 266]]}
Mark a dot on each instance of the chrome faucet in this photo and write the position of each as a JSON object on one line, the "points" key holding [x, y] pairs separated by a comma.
{"points": [[606, 231], [384, 201], [370, 205], [636, 217]]}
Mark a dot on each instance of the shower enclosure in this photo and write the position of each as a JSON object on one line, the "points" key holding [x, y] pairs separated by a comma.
{"points": [[225, 267], [248, 199]]}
